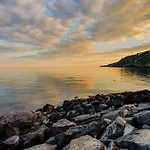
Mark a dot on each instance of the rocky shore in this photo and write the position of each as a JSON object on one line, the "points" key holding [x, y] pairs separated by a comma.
{"points": [[118, 121]]}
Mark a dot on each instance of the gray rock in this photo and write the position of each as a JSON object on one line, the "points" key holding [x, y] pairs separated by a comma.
{"points": [[61, 126], [130, 120], [137, 140], [8, 131], [18, 119], [43, 147], [72, 113], [63, 139], [87, 118], [55, 116], [64, 124], [14, 140], [35, 137], [114, 130], [143, 118], [128, 129], [112, 115], [85, 143]]}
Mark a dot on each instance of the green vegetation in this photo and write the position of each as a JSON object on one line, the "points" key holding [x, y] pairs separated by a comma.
{"points": [[141, 60]]}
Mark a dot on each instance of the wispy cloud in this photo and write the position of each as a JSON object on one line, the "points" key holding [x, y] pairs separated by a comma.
{"points": [[65, 27]]}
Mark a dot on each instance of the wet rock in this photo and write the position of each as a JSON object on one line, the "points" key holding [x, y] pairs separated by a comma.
{"points": [[11, 142], [128, 129], [43, 147], [7, 131], [63, 139], [18, 119], [55, 116], [87, 118], [85, 143], [137, 140], [35, 137], [48, 108], [143, 118], [114, 130]]}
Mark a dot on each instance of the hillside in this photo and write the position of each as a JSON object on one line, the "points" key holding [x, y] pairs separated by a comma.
{"points": [[141, 60]]}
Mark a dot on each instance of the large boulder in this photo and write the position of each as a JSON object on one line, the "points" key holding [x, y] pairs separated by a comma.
{"points": [[137, 140], [143, 118], [114, 130], [63, 139], [43, 147], [35, 137], [85, 143], [21, 120], [87, 118]]}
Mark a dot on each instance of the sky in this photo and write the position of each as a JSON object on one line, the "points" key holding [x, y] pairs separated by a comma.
{"points": [[72, 32]]}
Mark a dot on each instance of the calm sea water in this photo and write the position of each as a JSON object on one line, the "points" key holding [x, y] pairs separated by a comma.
{"points": [[31, 88]]}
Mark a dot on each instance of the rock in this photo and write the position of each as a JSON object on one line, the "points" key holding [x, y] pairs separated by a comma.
{"points": [[78, 108], [112, 146], [98, 106], [112, 115], [87, 118], [137, 140], [130, 120], [88, 109], [18, 119], [128, 129], [61, 126], [51, 141], [64, 123], [43, 147], [72, 113], [66, 104], [48, 108], [143, 118], [55, 116], [118, 101], [7, 131], [85, 143], [114, 130], [11, 142], [146, 127], [63, 139], [35, 137], [102, 126]]}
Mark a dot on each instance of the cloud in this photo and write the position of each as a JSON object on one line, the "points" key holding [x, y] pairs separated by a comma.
{"points": [[70, 26]]}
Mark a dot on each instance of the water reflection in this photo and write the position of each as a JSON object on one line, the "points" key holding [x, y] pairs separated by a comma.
{"points": [[30, 88], [139, 71]]}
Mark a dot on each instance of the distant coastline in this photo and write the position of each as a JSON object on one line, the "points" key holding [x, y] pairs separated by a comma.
{"points": [[139, 60]]}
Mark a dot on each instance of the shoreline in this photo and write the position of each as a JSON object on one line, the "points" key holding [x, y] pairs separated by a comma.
{"points": [[105, 121]]}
